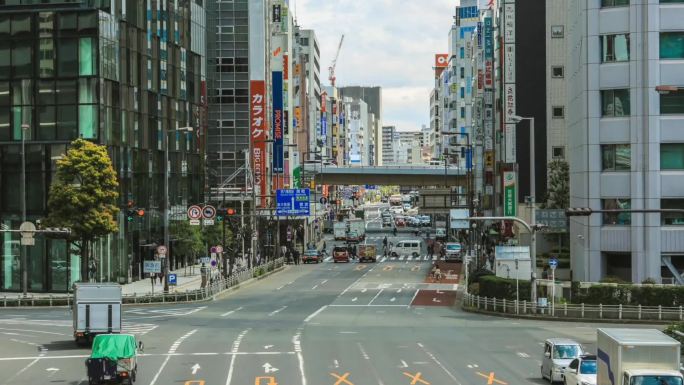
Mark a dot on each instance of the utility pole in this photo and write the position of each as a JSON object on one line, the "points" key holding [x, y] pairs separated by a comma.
{"points": [[24, 249]]}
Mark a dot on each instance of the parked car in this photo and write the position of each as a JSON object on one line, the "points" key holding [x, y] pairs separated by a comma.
{"points": [[312, 255], [558, 353], [406, 247], [407, 206], [581, 371], [424, 220], [396, 210], [413, 222], [386, 221], [340, 254]]}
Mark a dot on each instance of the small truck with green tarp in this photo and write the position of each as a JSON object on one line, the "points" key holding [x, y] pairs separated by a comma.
{"points": [[114, 358]]}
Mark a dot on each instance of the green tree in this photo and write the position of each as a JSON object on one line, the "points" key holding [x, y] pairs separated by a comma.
{"points": [[83, 196], [189, 243], [559, 185]]}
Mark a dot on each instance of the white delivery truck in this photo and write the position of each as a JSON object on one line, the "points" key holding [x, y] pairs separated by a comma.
{"points": [[96, 310], [357, 230], [340, 231], [636, 357]]}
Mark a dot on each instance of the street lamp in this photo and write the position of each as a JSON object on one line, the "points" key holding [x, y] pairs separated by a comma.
{"points": [[166, 200], [24, 268], [533, 190]]}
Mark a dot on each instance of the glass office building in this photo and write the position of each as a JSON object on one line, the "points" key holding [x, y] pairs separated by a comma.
{"points": [[123, 74]]}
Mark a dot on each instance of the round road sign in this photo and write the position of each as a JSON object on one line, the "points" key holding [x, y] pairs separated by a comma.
{"points": [[219, 249], [209, 212], [27, 229], [194, 212], [213, 249], [161, 250]]}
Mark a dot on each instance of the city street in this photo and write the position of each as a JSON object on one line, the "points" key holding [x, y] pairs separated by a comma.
{"points": [[314, 324]]}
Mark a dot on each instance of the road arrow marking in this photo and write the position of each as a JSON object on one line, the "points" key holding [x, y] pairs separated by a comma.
{"points": [[268, 368], [195, 368], [354, 299], [364, 290], [436, 300], [403, 364], [268, 347], [336, 363], [393, 299]]}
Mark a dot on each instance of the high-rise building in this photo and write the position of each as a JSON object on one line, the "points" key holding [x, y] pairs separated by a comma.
{"points": [[387, 144], [312, 72], [625, 111], [557, 137], [126, 77]]}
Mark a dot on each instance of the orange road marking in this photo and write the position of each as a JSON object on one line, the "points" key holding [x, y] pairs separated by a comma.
{"points": [[360, 267], [198, 382], [388, 268], [270, 380], [491, 379], [341, 379], [416, 378]]}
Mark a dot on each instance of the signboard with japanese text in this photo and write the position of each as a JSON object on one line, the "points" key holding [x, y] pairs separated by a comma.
{"points": [[509, 135], [488, 39], [554, 219], [510, 194], [441, 60], [153, 267], [277, 122], [509, 63], [257, 106], [292, 202]]}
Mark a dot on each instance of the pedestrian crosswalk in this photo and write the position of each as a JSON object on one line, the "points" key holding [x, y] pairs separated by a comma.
{"points": [[401, 258], [137, 328]]}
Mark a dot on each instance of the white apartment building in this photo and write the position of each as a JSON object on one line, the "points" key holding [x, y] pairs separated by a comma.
{"points": [[387, 144], [556, 135], [312, 67], [358, 139], [626, 139]]}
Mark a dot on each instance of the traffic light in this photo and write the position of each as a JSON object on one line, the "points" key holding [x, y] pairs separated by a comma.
{"points": [[223, 213], [578, 212], [132, 213]]}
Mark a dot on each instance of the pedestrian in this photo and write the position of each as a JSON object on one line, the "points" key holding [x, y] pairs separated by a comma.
{"points": [[430, 250], [384, 241], [283, 250], [92, 270], [394, 230], [324, 246], [295, 254]]}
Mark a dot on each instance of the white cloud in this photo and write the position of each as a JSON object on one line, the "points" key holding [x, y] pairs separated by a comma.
{"points": [[388, 43]]}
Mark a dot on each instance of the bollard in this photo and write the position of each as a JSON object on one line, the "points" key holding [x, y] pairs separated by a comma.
{"points": [[660, 312], [4, 301], [50, 300], [478, 301], [582, 309], [620, 311], [639, 311], [485, 303], [600, 310]]}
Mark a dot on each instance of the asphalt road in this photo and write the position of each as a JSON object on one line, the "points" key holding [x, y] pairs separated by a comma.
{"points": [[336, 324]]}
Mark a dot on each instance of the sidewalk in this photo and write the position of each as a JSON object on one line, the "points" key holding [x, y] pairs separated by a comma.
{"points": [[188, 279]]}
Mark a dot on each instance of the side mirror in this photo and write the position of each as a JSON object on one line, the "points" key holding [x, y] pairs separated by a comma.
{"points": [[547, 354]]}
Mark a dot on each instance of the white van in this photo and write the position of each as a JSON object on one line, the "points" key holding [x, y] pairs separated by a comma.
{"points": [[407, 247]]}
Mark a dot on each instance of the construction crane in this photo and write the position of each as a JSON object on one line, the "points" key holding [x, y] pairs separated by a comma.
{"points": [[331, 69]]}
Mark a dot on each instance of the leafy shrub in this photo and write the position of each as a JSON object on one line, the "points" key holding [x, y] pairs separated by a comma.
{"points": [[670, 331], [492, 286]]}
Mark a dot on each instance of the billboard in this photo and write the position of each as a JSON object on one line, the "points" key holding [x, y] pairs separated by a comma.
{"points": [[257, 108], [277, 123], [441, 60]]}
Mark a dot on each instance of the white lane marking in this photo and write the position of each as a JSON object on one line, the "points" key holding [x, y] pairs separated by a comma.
{"points": [[34, 331], [204, 354], [403, 364], [195, 368], [323, 282], [393, 299], [314, 314], [367, 305], [398, 290], [376, 296], [315, 287], [419, 363], [271, 314], [180, 340], [231, 312], [350, 286], [436, 361], [161, 368], [348, 333], [364, 290], [354, 299], [414, 296], [523, 355], [42, 350], [296, 340], [363, 351], [268, 347], [236, 346]]}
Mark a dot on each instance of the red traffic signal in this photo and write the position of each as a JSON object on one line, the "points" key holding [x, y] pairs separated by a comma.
{"points": [[140, 212], [230, 211]]}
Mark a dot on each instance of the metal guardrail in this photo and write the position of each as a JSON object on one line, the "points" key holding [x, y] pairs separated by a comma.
{"points": [[575, 311], [214, 288]]}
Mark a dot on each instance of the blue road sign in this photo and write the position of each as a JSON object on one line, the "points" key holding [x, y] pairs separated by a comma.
{"points": [[553, 262], [292, 202], [173, 279]]}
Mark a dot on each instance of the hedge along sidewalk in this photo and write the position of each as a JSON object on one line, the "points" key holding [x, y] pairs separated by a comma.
{"points": [[202, 294], [573, 312]]}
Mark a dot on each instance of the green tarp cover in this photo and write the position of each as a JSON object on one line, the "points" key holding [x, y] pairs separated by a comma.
{"points": [[113, 346]]}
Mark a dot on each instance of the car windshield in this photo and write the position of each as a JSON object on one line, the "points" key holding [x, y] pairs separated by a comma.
{"points": [[566, 351], [656, 380], [588, 367]]}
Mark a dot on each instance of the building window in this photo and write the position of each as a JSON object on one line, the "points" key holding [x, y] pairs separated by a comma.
{"points": [[558, 112], [557, 31], [557, 71], [616, 157], [672, 219], [672, 45], [462, 73], [620, 219], [461, 52], [615, 103], [463, 112], [672, 156], [614, 3], [614, 48], [558, 152], [672, 102]]}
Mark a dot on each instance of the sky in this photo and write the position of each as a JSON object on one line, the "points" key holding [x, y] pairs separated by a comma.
{"points": [[387, 43]]}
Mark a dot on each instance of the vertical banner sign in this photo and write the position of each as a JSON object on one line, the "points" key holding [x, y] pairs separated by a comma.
{"points": [[509, 82], [278, 155], [488, 51], [324, 110], [277, 13], [510, 199], [479, 34], [257, 104]]}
